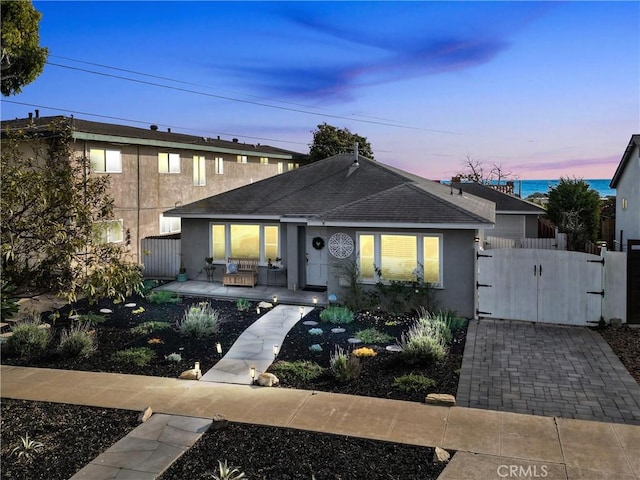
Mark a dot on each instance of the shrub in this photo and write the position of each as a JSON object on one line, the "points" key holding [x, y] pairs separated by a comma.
{"points": [[90, 319], [242, 304], [344, 367], [27, 448], [199, 321], [300, 370], [149, 327], [372, 335], [227, 472], [364, 352], [173, 357], [77, 341], [434, 325], [336, 314], [8, 303], [413, 383], [420, 346], [139, 356], [28, 338], [163, 296]]}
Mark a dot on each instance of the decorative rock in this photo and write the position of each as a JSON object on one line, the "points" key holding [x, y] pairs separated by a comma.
{"points": [[145, 415], [265, 305], [267, 380], [192, 374], [338, 330], [218, 422], [106, 310], [354, 341], [129, 305], [393, 348], [441, 456], [310, 323], [442, 399]]}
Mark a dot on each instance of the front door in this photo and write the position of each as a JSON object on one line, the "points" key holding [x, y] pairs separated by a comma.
{"points": [[316, 257]]}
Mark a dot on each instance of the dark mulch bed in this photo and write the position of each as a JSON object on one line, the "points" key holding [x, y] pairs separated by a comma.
{"points": [[258, 450], [72, 436], [625, 343]]}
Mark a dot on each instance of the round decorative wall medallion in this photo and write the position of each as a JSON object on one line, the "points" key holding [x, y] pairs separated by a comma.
{"points": [[318, 243], [341, 245]]}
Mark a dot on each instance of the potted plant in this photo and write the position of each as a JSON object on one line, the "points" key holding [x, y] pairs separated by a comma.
{"points": [[182, 274], [208, 260]]}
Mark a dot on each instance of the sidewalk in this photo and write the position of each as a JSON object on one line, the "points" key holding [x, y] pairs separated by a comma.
{"points": [[490, 444]]}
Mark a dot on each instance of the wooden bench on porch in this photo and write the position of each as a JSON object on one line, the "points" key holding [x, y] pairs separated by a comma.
{"points": [[241, 272]]}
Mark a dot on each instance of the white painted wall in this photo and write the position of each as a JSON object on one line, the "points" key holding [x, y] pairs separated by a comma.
{"points": [[615, 286], [628, 188]]}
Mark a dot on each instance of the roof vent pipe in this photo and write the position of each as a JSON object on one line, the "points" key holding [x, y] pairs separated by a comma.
{"points": [[235, 140], [30, 115], [37, 113], [168, 130], [154, 127]]}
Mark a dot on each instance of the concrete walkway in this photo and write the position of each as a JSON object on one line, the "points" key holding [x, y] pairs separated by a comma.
{"points": [[487, 441], [550, 370], [254, 347]]}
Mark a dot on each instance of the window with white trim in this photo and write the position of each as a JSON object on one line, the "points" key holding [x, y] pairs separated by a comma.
{"points": [[241, 158], [105, 160], [218, 165], [243, 240], [169, 224], [111, 231], [199, 171], [264, 160], [400, 257], [168, 162]]}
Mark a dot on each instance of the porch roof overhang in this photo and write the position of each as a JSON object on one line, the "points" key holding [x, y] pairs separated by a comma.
{"points": [[516, 212], [401, 225]]}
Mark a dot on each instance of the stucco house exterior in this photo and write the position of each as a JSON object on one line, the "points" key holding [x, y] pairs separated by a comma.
{"points": [[152, 170], [626, 181], [341, 209], [515, 218]]}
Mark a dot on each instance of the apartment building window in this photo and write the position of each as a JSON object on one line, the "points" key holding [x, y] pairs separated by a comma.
{"points": [[242, 158], [169, 224], [218, 165], [111, 231], [199, 172], [400, 257], [105, 161], [264, 160], [168, 162]]}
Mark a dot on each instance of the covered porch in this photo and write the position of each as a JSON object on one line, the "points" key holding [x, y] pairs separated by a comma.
{"points": [[258, 293]]}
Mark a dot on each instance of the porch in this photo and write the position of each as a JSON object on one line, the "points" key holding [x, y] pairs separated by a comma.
{"points": [[258, 293]]}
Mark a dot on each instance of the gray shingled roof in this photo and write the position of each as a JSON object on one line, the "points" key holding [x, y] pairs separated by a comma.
{"points": [[334, 191], [505, 203], [190, 141]]}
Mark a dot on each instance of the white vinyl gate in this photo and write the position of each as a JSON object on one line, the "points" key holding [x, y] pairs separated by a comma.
{"points": [[540, 285]]}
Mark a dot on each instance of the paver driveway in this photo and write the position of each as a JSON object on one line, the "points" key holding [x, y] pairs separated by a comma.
{"points": [[549, 370]]}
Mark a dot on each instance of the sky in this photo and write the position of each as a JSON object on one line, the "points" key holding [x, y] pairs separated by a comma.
{"points": [[542, 90]]}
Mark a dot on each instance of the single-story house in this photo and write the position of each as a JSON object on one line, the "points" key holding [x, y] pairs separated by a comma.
{"points": [[346, 208], [515, 218]]}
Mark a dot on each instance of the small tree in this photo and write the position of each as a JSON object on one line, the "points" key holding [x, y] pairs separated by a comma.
{"points": [[329, 140], [22, 57], [51, 208], [575, 209]]}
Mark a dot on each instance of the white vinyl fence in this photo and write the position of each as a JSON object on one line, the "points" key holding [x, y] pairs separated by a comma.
{"points": [[558, 243]]}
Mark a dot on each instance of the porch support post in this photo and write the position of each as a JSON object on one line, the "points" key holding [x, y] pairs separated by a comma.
{"points": [[292, 256]]}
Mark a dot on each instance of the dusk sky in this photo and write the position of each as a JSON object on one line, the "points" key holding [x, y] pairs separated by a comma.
{"points": [[543, 89]]}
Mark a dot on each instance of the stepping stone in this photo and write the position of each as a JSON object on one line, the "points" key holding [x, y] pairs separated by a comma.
{"points": [[310, 323], [393, 348], [130, 305], [354, 341], [106, 310], [338, 330], [265, 305], [442, 399]]}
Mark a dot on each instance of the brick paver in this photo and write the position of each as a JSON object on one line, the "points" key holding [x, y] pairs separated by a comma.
{"points": [[549, 370]]}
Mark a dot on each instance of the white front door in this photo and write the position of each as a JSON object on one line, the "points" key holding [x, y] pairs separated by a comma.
{"points": [[316, 257]]}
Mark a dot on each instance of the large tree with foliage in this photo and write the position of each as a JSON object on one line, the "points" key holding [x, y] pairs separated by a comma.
{"points": [[329, 140], [23, 58], [52, 211], [575, 209]]}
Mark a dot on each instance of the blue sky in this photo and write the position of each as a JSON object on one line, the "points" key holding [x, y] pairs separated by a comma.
{"points": [[542, 89]]}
